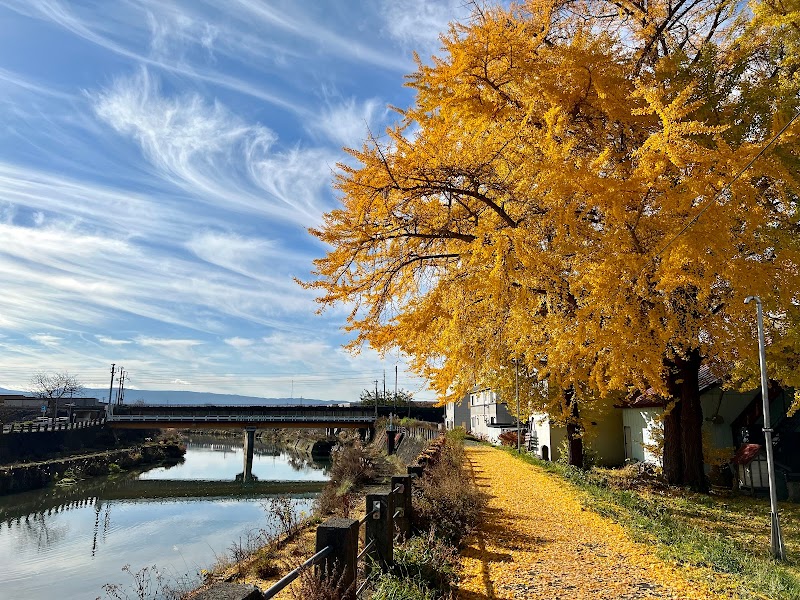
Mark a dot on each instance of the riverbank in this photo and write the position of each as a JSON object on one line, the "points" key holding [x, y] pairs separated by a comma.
{"points": [[356, 470], [20, 477]]}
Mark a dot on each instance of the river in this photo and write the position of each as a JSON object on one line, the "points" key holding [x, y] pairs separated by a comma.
{"points": [[68, 541]]}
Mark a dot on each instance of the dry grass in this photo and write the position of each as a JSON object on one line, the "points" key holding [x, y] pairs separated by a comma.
{"points": [[447, 501]]}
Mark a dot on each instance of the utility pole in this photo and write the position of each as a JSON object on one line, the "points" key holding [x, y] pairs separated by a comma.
{"points": [[777, 547], [394, 404], [119, 379], [111, 387], [376, 401], [121, 390]]}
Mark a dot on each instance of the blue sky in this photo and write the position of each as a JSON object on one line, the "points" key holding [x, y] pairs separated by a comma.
{"points": [[159, 165]]}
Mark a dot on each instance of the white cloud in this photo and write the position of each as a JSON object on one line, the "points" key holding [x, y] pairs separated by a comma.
{"points": [[174, 349], [418, 24], [121, 32], [111, 341], [318, 33], [347, 123], [156, 220], [239, 343], [46, 339], [236, 253]]}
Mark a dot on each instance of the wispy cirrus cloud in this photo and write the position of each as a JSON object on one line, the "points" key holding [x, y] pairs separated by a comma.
{"points": [[212, 153], [418, 24], [239, 343], [348, 122], [104, 339], [46, 339]]}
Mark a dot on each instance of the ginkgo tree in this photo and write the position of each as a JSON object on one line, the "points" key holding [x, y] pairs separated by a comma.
{"points": [[532, 206]]}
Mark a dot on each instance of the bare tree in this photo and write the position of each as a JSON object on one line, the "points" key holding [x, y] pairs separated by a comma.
{"points": [[55, 386]]}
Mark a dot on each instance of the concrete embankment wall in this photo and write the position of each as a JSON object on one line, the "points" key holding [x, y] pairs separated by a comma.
{"points": [[29, 476], [315, 448], [31, 446]]}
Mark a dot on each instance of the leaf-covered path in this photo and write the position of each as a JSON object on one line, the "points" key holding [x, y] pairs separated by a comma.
{"points": [[536, 541]]}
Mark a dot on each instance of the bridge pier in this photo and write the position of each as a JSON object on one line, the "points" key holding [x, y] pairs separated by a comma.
{"points": [[249, 444]]}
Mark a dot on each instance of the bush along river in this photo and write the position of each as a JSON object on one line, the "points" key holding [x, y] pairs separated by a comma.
{"points": [[68, 541]]}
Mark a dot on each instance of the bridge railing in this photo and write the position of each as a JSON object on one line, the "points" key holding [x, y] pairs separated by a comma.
{"points": [[117, 418]]}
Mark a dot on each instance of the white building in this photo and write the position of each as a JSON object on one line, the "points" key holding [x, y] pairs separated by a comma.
{"points": [[488, 416], [642, 427], [601, 438], [456, 414]]}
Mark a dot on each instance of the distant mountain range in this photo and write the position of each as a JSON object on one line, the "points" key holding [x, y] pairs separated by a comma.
{"points": [[184, 397]]}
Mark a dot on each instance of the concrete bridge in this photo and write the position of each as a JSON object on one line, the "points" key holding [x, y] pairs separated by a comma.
{"points": [[248, 418], [240, 417]]}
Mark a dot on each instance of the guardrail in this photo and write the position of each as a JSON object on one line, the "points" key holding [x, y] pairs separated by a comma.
{"points": [[387, 519], [49, 427], [236, 419]]}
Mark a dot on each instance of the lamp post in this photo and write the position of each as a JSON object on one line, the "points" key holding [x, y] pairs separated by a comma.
{"points": [[778, 549], [516, 396]]}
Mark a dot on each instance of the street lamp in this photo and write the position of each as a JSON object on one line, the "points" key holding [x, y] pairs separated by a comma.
{"points": [[778, 549], [516, 395]]}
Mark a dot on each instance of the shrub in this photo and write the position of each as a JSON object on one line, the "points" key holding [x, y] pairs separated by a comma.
{"points": [[509, 438], [352, 465], [283, 515], [428, 559], [392, 587], [457, 434], [318, 584], [114, 468], [148, 583], [448, 503], [264, 565]]}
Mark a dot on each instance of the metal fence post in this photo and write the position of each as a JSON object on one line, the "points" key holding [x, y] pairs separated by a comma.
{"points": [[341, 534], [402, 504], [380, 530], [416, 470]]}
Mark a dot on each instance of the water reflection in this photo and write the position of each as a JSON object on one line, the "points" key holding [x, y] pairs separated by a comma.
{"points": [[77, 538]]}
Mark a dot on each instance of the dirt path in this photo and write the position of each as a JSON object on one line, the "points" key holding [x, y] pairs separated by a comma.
{"points": [[537, 542]]}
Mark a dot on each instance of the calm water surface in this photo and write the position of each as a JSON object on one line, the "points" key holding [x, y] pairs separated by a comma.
{"points": [[68, 542]]}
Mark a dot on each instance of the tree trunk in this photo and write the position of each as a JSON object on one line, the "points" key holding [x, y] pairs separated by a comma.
{"points": [[683, 443], [673, 456], [574, 434]]}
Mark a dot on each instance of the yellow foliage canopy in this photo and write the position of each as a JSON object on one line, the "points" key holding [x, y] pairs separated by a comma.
{"points": [[529, 204]]}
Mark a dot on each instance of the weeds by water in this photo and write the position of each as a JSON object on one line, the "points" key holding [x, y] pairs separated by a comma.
{"points": [[148, 583], [353, 464], [321, 584]]}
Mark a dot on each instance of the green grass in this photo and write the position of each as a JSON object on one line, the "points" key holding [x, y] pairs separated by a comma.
{"points": [[721, 534]]}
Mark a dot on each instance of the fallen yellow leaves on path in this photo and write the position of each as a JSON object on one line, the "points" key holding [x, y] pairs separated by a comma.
{"points": [[536, 541]]}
